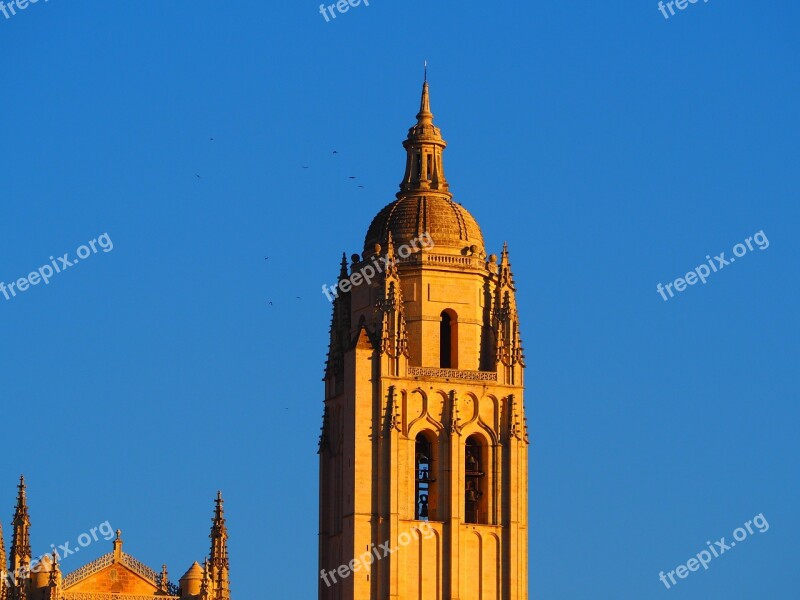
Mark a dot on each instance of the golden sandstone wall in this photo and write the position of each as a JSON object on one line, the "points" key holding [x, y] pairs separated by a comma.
{"points": [[427, 351], [115, 579]]}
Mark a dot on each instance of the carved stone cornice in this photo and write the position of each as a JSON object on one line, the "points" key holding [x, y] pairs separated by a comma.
{"points": [[460, 374]]}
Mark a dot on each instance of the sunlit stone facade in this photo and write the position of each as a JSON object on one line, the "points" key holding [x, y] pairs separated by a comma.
{"points": [[424, 422]]}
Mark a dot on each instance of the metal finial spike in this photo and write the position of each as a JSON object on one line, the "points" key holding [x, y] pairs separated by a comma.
{"points": [[426, 71]]}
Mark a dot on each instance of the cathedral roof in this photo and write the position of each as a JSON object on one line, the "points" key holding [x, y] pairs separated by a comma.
{"points": [[195, 572], [424, 203], [448, 223]]}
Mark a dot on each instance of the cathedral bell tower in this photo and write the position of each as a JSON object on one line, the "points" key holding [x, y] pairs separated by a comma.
{"points": [[424, 443]]}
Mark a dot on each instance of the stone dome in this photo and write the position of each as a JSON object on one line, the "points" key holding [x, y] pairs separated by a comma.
{"points": [[448, 223], [195, 572]]}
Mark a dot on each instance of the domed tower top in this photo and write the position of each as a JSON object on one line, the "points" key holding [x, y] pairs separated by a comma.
{"points": [[424, 203]]}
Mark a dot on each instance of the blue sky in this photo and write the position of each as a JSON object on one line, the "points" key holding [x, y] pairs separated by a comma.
{"points": [[612, 148]]}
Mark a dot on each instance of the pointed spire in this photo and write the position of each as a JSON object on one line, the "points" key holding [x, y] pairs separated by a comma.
{"points": [[425, 116], [54, 582], [204, 584], [390, 311], [163, 583], [343, 268], [2, 549], [508, 345], [340, 323], [20, 541], [219, 512], [20, 559], [424, 147], [218, 558], [504, 272], [22, 502], [3, 565]]}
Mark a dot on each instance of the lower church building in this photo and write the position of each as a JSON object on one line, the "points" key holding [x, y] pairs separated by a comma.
{"points": [[114, 576]]}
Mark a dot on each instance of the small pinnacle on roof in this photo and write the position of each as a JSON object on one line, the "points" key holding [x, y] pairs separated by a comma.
{"points": [[22, 507], [425, 115]]}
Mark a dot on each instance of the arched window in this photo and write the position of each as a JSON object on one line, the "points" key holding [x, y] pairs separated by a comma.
{"points": [[448, 340], [424, 477], [474, 478]]}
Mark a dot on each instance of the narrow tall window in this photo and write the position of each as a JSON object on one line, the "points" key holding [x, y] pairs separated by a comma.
{"points": [[448, 340], [445, 348], [424, 477], [474, 476]]}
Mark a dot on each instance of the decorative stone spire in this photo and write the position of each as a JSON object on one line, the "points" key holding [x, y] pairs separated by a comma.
{"points": [[508, 349], [3, 566], [205, 584], [425, 116], [20, 560], [340, 328], [54, 584], [218, 559], [390, 311], [163, 581], [343, 267], [424, 147], [118, 546]]}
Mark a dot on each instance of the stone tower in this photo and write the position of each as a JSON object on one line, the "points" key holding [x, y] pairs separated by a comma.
{"points": [[424, 445]]}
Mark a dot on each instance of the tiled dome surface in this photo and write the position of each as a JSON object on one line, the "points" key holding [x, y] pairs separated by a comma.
{"points": [[448, 223]]}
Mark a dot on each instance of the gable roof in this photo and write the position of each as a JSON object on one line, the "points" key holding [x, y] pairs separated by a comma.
{"points": [[149, 576]]}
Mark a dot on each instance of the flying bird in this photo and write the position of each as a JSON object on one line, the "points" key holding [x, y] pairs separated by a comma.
{"points": [[211, 139], [351, 177], [361, 186], [336, 152], [198, 176], [305, 166]]}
